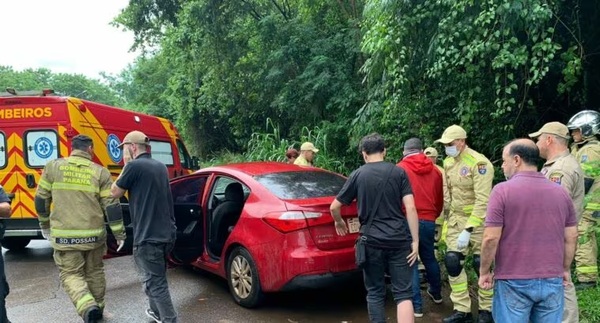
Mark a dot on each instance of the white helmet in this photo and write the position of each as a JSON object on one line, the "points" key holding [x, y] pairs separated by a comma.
{"points": [[587, 121]]}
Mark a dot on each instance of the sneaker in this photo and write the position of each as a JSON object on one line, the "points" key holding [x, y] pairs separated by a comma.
{"points": [[92, 314], [436, 297], [418, 312], [485, 317], [152, 315], [459, 317]]}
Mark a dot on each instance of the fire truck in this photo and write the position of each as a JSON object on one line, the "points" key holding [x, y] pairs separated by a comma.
{"points": [[36, 127]]}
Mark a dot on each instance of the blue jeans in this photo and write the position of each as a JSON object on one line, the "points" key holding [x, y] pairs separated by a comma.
{"points": [[528, 300], [378, 260], [427, 256], [151, 260]]}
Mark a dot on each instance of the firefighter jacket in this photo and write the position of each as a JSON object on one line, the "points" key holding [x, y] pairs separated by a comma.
{"points": [[79, 191], [566, 171], [587, 154], [469, 179]]}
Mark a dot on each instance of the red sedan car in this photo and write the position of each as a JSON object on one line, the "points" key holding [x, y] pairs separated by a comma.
{"points": [[264, 226]]}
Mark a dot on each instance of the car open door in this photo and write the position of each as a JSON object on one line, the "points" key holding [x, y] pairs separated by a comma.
{"points": [[187, 201]]}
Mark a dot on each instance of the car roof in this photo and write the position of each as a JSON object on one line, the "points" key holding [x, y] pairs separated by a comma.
{"points": [[260, 168]]}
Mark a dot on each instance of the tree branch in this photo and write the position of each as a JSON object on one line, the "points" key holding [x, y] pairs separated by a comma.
{"points": [[281, 10], [253, 11]]}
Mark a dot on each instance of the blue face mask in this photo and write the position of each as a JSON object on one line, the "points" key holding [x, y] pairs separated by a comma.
{"points": [[451, 151]]}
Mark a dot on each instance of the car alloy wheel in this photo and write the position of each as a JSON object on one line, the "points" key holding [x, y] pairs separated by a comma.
{"points": [[242, 278]]}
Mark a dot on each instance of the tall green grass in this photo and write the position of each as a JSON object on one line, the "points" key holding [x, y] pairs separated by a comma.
{"points": [[270, 146]]}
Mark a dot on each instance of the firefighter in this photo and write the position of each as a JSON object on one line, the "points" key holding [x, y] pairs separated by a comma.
{"points": [[469, 177], [584, 127], [307, 155], [80, 192], [562, 168], [440, 222]]}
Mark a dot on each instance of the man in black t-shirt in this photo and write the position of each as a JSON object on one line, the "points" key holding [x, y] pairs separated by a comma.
{"points": [[393, 238], [153, 220]]}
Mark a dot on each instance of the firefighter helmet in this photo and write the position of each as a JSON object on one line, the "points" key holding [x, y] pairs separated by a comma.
{"points": [[587, 121]]}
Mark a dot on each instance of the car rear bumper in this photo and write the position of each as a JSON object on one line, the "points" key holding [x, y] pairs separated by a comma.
{"points": [[320, 280], [314, 268]]}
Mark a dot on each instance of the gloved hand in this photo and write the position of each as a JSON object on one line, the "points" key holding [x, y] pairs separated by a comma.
{"points": [[463, 240], [46, 234], [120, 244]]}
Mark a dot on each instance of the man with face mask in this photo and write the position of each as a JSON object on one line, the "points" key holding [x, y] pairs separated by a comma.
{"points": [[563, 169], [469, 177], [584, 127]]}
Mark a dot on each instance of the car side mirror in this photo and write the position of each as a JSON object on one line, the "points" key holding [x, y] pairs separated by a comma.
{"points": [[195, 163]]}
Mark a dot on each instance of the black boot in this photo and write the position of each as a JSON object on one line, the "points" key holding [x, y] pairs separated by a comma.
{"points": [[459, 317], [92, 314], [485, 317]]}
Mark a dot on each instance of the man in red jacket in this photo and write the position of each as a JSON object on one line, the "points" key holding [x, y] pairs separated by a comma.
{"points": [[426, 182]]}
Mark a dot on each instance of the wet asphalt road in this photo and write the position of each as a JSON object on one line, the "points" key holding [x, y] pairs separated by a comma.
{"points": [[36, 296]]}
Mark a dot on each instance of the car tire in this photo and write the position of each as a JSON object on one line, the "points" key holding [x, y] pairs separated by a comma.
{"points": [[15, 243], [243, 280]]}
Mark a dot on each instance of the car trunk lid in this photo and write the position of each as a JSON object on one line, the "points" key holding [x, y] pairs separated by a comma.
{"points": [[320, 222]]}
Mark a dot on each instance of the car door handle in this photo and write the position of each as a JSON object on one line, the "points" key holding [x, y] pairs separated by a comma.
{"points": [[30, 180]]}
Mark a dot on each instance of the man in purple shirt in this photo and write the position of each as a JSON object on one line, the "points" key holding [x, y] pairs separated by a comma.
{"points": [[530, 234]]}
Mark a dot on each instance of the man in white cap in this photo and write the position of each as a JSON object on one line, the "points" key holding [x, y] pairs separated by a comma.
{"points": [[153, 220], [469, 176], [307, 154], [562, 168]]}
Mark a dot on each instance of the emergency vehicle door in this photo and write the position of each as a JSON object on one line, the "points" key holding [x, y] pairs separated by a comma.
{"points": [[7, 177], [41, 146]]}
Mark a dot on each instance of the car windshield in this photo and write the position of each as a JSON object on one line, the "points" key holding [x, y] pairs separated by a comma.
{"points": [[302, 185]]}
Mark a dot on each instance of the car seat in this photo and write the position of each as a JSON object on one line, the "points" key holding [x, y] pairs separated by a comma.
{"points": [[226, 215]]}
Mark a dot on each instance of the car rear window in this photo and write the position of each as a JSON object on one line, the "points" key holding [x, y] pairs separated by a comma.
{"points": [[302, 185]]}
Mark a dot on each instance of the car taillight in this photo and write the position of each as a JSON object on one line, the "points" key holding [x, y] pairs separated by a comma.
{"points": [[291, 220]]}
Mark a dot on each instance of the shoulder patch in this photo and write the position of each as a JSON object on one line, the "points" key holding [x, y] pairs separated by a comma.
{"points": [[482, 168], [556, 177]]}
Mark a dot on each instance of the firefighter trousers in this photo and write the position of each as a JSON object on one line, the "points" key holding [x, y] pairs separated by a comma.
{"points": [[82, 276], [586, 256], [571, 313], [459, 284]]}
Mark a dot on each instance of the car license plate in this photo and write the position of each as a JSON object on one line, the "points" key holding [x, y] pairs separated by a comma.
{"points": [[353, 225]]}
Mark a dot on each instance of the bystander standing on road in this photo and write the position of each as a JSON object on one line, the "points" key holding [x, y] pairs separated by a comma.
{"points": [[563, 169], [153, 220], [530, 235], [426, 183], [392, 239], [79, 190], [307, 155], [4, 289]]}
